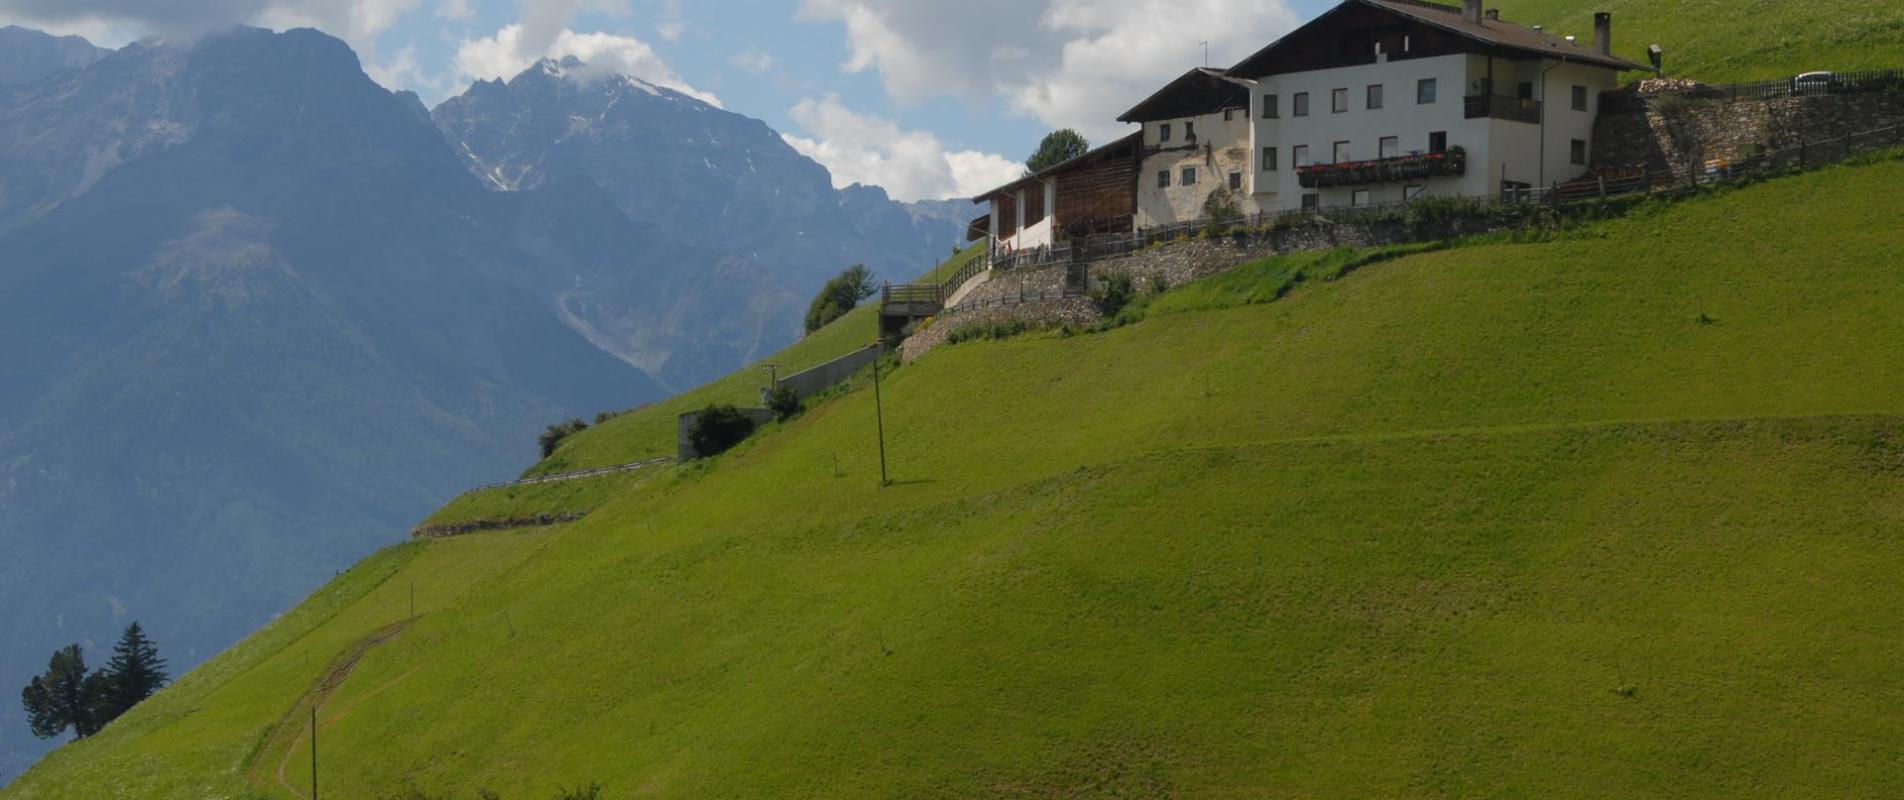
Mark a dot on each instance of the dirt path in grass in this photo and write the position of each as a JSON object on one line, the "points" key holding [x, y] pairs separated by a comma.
{"points": [[285, 739]]}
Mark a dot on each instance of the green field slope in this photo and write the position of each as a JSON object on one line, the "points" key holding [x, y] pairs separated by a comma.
{"points": [[1735, 40], [1613, 514]]}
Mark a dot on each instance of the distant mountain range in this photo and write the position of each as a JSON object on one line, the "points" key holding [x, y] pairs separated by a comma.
{"points": [[29, 55], [262, 314], [716, 182]]}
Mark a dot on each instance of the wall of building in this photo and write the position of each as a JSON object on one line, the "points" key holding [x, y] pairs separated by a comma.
{"points": [[1400, 116], [1221, 149], [1496, 148]]}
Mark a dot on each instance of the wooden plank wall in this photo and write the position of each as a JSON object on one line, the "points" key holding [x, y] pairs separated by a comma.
{"points": [[1102, 195]]}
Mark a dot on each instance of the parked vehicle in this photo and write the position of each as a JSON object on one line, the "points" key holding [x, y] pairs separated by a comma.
{"points": [[1815, 83]]}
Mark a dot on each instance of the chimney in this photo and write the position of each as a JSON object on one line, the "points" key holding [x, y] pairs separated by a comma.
{"points": [[1603, 33], [1471, 10]]}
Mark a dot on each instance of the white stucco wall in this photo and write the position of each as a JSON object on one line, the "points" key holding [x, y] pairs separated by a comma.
{"points": [[1221, 148], [1492, 145]]}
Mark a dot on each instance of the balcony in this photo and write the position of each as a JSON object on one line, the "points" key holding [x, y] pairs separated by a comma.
{"points": [[1416, 167], [1497, 106]]}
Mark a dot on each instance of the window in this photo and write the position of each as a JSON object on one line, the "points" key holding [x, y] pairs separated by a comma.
{"points": [[1425, 91], [1579, 98], [1526, 91], [1580, 152], [1163, 179], [1359, 198], [1190, 131], [1269, 159], [1299, 156], [1229, 115], [1339, 101], [1163, 132], [1342, 153], [1409, 193], [1189, 176], [1311, 201], [1375, 97], [1391, 146], [1236, 181], [1270, 111], [1299, 105]]}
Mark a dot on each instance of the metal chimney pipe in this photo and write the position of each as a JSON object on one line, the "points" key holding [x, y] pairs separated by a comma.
{"points": [[1471, 10], [1603, 33]]}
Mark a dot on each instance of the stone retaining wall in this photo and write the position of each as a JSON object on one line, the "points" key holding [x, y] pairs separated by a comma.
{"points": [[1078, 311], [1672, 131], [1177, 263]]}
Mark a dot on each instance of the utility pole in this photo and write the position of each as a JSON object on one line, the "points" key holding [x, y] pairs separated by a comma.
{"points": [[313, 751], [879, 414], [1206, 55]]}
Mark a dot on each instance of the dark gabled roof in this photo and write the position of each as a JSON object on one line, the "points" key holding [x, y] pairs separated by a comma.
{"points": [[1495, 33], [1122, 146], [1199, 91]]}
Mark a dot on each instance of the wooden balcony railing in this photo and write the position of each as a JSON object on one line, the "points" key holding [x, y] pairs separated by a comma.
{"points": [[1497, 106], [1420, 166]]}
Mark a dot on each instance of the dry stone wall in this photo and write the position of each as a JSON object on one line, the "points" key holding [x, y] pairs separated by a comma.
{"points": [[1677, 133]]}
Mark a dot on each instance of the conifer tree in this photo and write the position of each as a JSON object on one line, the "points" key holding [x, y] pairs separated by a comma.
{"points": [[135, 672]]}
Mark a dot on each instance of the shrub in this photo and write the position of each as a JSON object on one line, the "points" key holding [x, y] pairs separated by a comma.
{"points": [[1117, 293], [718, 429], [1220, 208], [785, 403], [840, 295], [553, 435], [1158, 284]]}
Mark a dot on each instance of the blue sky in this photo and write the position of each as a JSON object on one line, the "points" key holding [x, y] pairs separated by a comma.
{"points": [[925, 97]]}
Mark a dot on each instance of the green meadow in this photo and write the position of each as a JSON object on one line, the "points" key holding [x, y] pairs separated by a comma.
{"points": [[1726, 41], [1607, 512]]}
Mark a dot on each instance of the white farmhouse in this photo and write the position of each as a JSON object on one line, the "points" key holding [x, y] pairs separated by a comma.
{"points": [[1196, 149], [1376, 102], [1380, 101]]}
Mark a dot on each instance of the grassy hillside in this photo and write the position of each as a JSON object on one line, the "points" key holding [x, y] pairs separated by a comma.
{"points": [[1735, 40], [1613, 514]]}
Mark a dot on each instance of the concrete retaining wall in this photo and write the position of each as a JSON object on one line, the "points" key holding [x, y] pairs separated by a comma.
{"points": [[826, 376]]}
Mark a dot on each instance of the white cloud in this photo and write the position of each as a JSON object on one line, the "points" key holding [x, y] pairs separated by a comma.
{"points": [[1068, 63], [909, 165], [755, 61], [454, 9], [671, 30], [509, 52]]}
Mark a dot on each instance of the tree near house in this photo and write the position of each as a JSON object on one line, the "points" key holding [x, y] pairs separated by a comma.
{"points": [[840, 295], [1058, 147]]}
